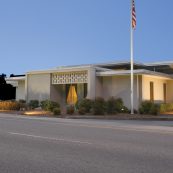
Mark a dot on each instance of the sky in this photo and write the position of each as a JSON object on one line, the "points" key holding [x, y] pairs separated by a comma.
{"points": [[43, 34]]}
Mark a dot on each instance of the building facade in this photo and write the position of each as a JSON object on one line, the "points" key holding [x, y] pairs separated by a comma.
{"points": [[68, 84]]}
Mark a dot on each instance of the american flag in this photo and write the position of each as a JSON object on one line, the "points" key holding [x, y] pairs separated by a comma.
{"points": [[133, 15]]}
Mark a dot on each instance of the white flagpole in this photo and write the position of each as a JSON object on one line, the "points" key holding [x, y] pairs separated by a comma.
{"points": [[131, 61]]}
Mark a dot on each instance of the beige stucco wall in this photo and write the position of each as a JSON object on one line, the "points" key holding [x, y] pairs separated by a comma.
{"points": [[158, 87], [118, 87], [170, 91], [38, 87], [20, 90]]}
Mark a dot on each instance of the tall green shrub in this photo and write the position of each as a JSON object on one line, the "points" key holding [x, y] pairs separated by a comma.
{"points": [[99, 106], [111, 106], [114, 106]]}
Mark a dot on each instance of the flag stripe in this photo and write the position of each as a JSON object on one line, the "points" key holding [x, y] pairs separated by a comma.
{"points": [[133, 15]]}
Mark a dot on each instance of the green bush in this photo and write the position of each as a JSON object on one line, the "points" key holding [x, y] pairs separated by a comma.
{"points": [[166, 107], [84, 104], [9, 105], [57, 111], [111, 106], [48, 105], [81, 110], [124, 109], [119, 105], [70, 109], [99, 106], [114, 106], [148, 107], [155, 109], [34, 104]]}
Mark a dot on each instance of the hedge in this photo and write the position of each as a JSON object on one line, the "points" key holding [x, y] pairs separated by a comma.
{"points": [[166, 107], [9, 105], [148, 107], [49, 105]]}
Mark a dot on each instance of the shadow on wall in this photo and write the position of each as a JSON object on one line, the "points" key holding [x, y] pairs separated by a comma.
{"points": [[7, 91]]}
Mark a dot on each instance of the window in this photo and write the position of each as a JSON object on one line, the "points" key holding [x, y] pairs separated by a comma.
{"points": [[151, 91]]}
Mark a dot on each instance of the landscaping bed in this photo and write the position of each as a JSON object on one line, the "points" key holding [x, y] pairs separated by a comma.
{"points": [[113, 108]]}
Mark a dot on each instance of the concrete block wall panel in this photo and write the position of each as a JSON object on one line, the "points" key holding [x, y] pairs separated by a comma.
{"points": [[20, 90], [38, 87], [119, 87], [58, 94]]}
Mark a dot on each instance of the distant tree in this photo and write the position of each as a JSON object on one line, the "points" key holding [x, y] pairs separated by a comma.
{"points": [[12, 75], [2, 79], [7, 91]]}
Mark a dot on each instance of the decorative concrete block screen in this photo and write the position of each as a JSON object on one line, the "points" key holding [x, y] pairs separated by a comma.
{"points": [[70, 77]]}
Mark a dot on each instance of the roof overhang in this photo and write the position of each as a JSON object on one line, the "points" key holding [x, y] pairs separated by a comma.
{"points": [[21, 78], [136, 72], [169, 63], [61, 69]]}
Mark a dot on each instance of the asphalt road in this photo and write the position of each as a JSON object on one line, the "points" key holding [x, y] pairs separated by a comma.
{"points": [[51, 145]]}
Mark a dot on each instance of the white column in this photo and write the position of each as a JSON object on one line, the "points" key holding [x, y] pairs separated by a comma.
{"points": [[91, 90]]}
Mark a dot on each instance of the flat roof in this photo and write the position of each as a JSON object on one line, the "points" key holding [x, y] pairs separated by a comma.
{"points": [[136, 72], [15, 78], [169, 63], [105, 66]]}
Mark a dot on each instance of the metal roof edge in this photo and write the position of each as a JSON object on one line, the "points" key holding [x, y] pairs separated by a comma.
{"points": [[127, 72], [159, 63]]}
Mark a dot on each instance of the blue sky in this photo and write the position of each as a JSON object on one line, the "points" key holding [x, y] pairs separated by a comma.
{"points": [[42, 34]]}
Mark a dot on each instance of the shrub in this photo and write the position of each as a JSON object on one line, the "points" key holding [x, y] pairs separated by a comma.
{"points": [[84, 104], [9, 105], [22, 101], [57, 111], [119, 105], [48, 105], [114, 106], [33, 104], [155, 109], [148, 107], [110, 106], [70, 109], [99, 106], [23, 104], [124, 109], [81, 110], [166, 107]]}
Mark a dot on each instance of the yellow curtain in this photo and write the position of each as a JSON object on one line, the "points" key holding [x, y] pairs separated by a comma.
{"points": [[72, 96]]}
